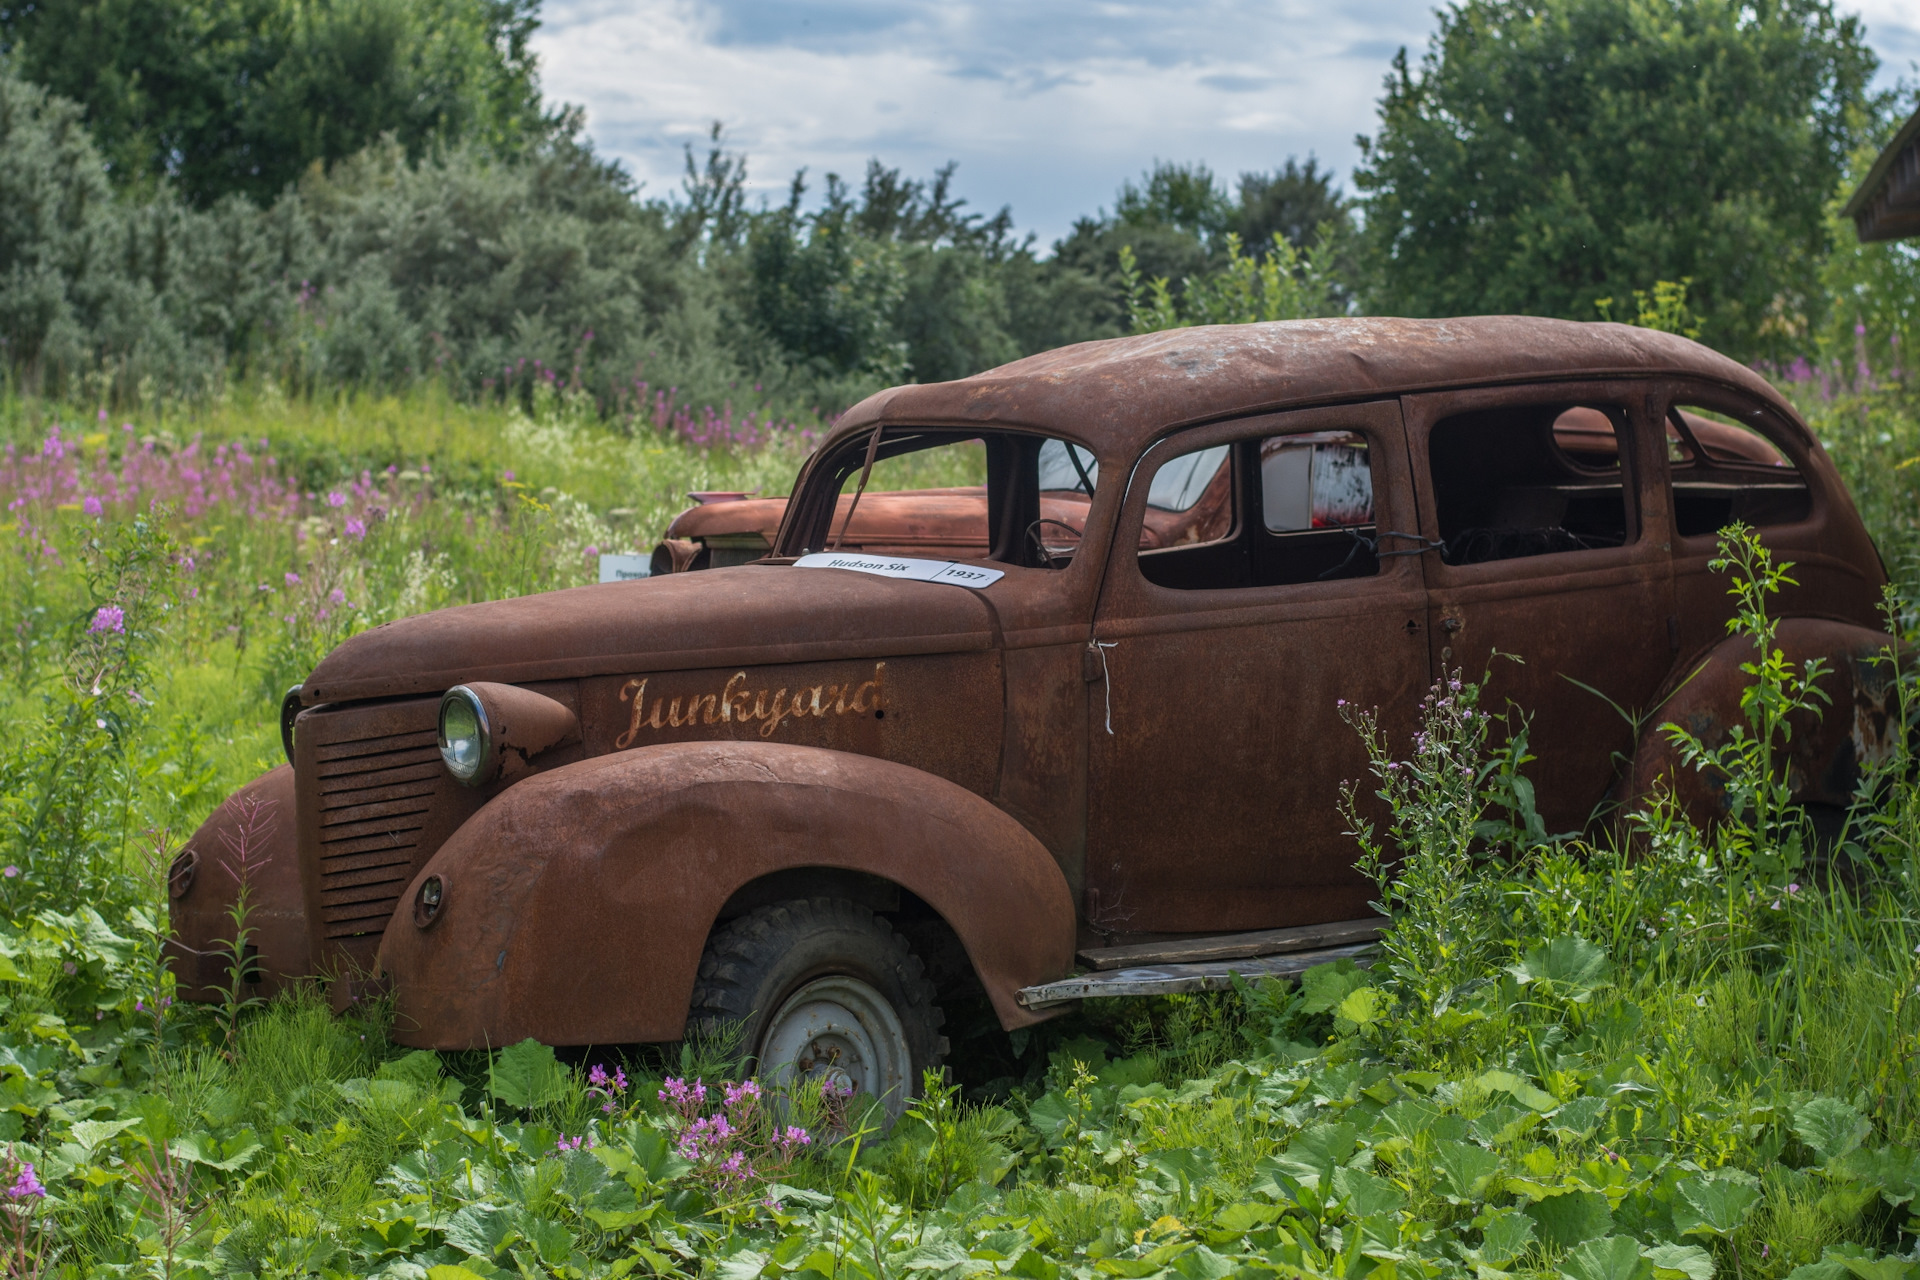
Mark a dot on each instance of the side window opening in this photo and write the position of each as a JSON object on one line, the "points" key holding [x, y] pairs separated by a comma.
{"points": [[1530, 480], [1724, 471], [1313, 495], [1006, 496]]}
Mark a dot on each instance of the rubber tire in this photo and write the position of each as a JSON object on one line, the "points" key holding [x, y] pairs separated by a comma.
{"points": [[755, 961]]}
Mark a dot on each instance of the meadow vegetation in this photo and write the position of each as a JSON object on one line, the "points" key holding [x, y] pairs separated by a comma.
{"points": [[1573, 1058], [438, 352]]}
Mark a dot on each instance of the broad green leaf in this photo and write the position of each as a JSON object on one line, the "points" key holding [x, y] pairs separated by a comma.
{"points": [[654, 1156], [744, 1265], [1571, 1218], [447, 1271], [1366, 1194], [1576, 1119], [527, 1075], [1360, 1007], [1184, 1166], [1505, 1236], [1829, 1126], [1466, 1169], [1523, 1090], [1243, 1217], [420, 1068], [1031, 1266], [480, 1230], [1614, 1258], [1571, 965], [1825, 1269], [1715, 1205], [225, 1155], [799, 1195], [1680, 1262], [1892, 1171], [1202, 1264], [1497, 1126], [1326, 985], [1856, 1260], [91, 1133], [551, 1240]]}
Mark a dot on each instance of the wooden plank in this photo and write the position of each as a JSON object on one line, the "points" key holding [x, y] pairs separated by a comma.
{"points": [[1168, 979], [1235, 946]]}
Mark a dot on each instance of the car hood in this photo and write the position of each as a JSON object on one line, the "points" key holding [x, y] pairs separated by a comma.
{"points": [[743, 616]]}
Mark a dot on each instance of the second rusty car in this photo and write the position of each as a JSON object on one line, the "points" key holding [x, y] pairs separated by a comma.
{"points": [[815, 795]]}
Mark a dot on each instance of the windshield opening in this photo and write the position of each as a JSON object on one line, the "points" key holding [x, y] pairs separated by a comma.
{"points": [[1011, 497]]}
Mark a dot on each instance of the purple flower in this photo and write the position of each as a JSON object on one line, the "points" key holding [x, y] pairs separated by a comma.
{"points": [[293, 579], [355, 528], [597, 1075], [108, 617], [336, 499], [337, 596], [9, 871], [26, 1186], [509, 476], [91, 505]]}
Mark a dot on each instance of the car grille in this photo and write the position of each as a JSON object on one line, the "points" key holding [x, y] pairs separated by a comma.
{"points": [[377, 797]]}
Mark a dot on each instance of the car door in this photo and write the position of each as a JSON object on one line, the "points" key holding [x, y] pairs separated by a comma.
{"points": [[1226, 638], [1551, 542]]}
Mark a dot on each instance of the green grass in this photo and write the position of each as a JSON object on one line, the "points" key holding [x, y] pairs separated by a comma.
{"points": [[1336, 1128]]}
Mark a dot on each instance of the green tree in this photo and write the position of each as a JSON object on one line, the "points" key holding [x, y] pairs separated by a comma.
{"points": [[1549, 153], [225, 96]]}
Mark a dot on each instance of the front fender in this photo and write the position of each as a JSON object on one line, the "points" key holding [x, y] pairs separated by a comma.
{"points": [[577, 903], [258, 821], [1825, 750]]}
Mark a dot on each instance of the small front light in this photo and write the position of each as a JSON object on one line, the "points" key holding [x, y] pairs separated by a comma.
{"points": [[466, 739], [427, 903]]}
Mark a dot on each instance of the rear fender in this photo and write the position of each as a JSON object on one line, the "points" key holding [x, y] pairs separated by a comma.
{"points": [[1826, 748], [577, 903], [205, 883]]}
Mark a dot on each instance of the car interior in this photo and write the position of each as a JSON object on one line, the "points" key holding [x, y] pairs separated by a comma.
{"points": [[1313, 495], [1724, 471], [1529, 480]]}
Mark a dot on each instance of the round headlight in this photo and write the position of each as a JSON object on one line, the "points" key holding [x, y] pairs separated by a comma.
{"points": [[428, 902], [466, 739]]}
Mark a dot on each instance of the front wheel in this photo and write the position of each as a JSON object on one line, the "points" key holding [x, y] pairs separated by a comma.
{"points": [[822, 989]]}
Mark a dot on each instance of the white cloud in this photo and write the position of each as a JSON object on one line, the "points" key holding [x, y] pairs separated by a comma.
{"points": [[1047, 105]]}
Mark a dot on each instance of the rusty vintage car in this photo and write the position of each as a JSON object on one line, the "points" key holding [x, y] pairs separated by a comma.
{"points": [[1073, 695]]}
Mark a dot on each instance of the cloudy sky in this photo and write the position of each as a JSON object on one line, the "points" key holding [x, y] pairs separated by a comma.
{"points": [[1046, 104]]}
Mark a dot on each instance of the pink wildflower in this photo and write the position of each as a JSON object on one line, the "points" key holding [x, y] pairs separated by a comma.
{"points": [[293, 579], [356, 528], [108, 617], [336, 499], [91, 505]]}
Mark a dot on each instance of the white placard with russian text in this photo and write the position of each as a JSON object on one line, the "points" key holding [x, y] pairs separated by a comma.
{"points": [[960, 575]]}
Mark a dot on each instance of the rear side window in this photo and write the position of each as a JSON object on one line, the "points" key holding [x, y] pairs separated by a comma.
{"points": [[1725, 472], [1530, 480], [1267, 512]]}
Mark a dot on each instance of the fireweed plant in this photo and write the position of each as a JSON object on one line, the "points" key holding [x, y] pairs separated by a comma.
{"points": [[1569, 1068]]}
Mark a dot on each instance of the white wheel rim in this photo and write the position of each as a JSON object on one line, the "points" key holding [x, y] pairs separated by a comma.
{"points": [[840, 1029]]}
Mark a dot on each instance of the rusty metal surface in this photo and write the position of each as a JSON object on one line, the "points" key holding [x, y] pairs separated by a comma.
{"points": [[1072, 756], [1860, 723], [204, 885], [742, 616], [374, 802], [578, 902], [1212, 800]]}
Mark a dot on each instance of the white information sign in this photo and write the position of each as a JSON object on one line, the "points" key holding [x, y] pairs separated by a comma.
{"points": [[960, 575], [625, 568]]}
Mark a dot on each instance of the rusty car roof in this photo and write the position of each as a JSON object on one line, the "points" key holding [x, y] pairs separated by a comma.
{"points": [[1119, 394]]}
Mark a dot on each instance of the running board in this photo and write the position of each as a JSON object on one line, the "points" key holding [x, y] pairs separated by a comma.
{"points": [[1167, 979]]}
